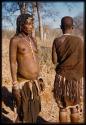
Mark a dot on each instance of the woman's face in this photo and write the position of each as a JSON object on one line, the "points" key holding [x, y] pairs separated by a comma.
{"points": [[27, 27]]}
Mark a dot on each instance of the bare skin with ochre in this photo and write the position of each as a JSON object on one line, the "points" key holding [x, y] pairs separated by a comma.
{"points": [[20, 52]]}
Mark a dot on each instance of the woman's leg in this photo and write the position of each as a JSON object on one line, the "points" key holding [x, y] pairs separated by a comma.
{"points": [[74, 115], [63, 115]]}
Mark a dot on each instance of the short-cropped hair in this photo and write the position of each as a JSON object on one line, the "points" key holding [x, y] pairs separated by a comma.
{"points": [[66, 22]]}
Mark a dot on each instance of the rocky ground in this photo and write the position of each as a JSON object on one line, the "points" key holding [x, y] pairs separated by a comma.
{"points": [[49, 112]]}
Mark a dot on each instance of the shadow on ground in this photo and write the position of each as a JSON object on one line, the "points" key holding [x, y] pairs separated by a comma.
{"points": [[7, 98], [4, 119], [40, 120]]}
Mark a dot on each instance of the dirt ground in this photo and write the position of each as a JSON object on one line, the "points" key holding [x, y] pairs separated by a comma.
{"points": [[50, 111]]}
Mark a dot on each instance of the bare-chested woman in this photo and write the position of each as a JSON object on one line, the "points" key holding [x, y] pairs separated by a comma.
{"points": [[25, 70]]}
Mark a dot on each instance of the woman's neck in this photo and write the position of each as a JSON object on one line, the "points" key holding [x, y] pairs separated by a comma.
{"points": [[26, 34]]}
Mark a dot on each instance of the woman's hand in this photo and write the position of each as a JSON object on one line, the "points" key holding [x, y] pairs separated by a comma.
{"points": [[16, 93]]}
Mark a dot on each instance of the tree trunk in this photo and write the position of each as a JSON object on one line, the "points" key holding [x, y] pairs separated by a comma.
{"points": [[23, 7], [33, 13], [40, 22]]}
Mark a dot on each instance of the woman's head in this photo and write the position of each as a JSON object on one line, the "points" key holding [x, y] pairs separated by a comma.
{"points": [[24, 23]]}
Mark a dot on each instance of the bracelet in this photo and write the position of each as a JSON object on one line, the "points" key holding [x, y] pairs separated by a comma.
{"points": [[15, 82], [16, 86]]}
